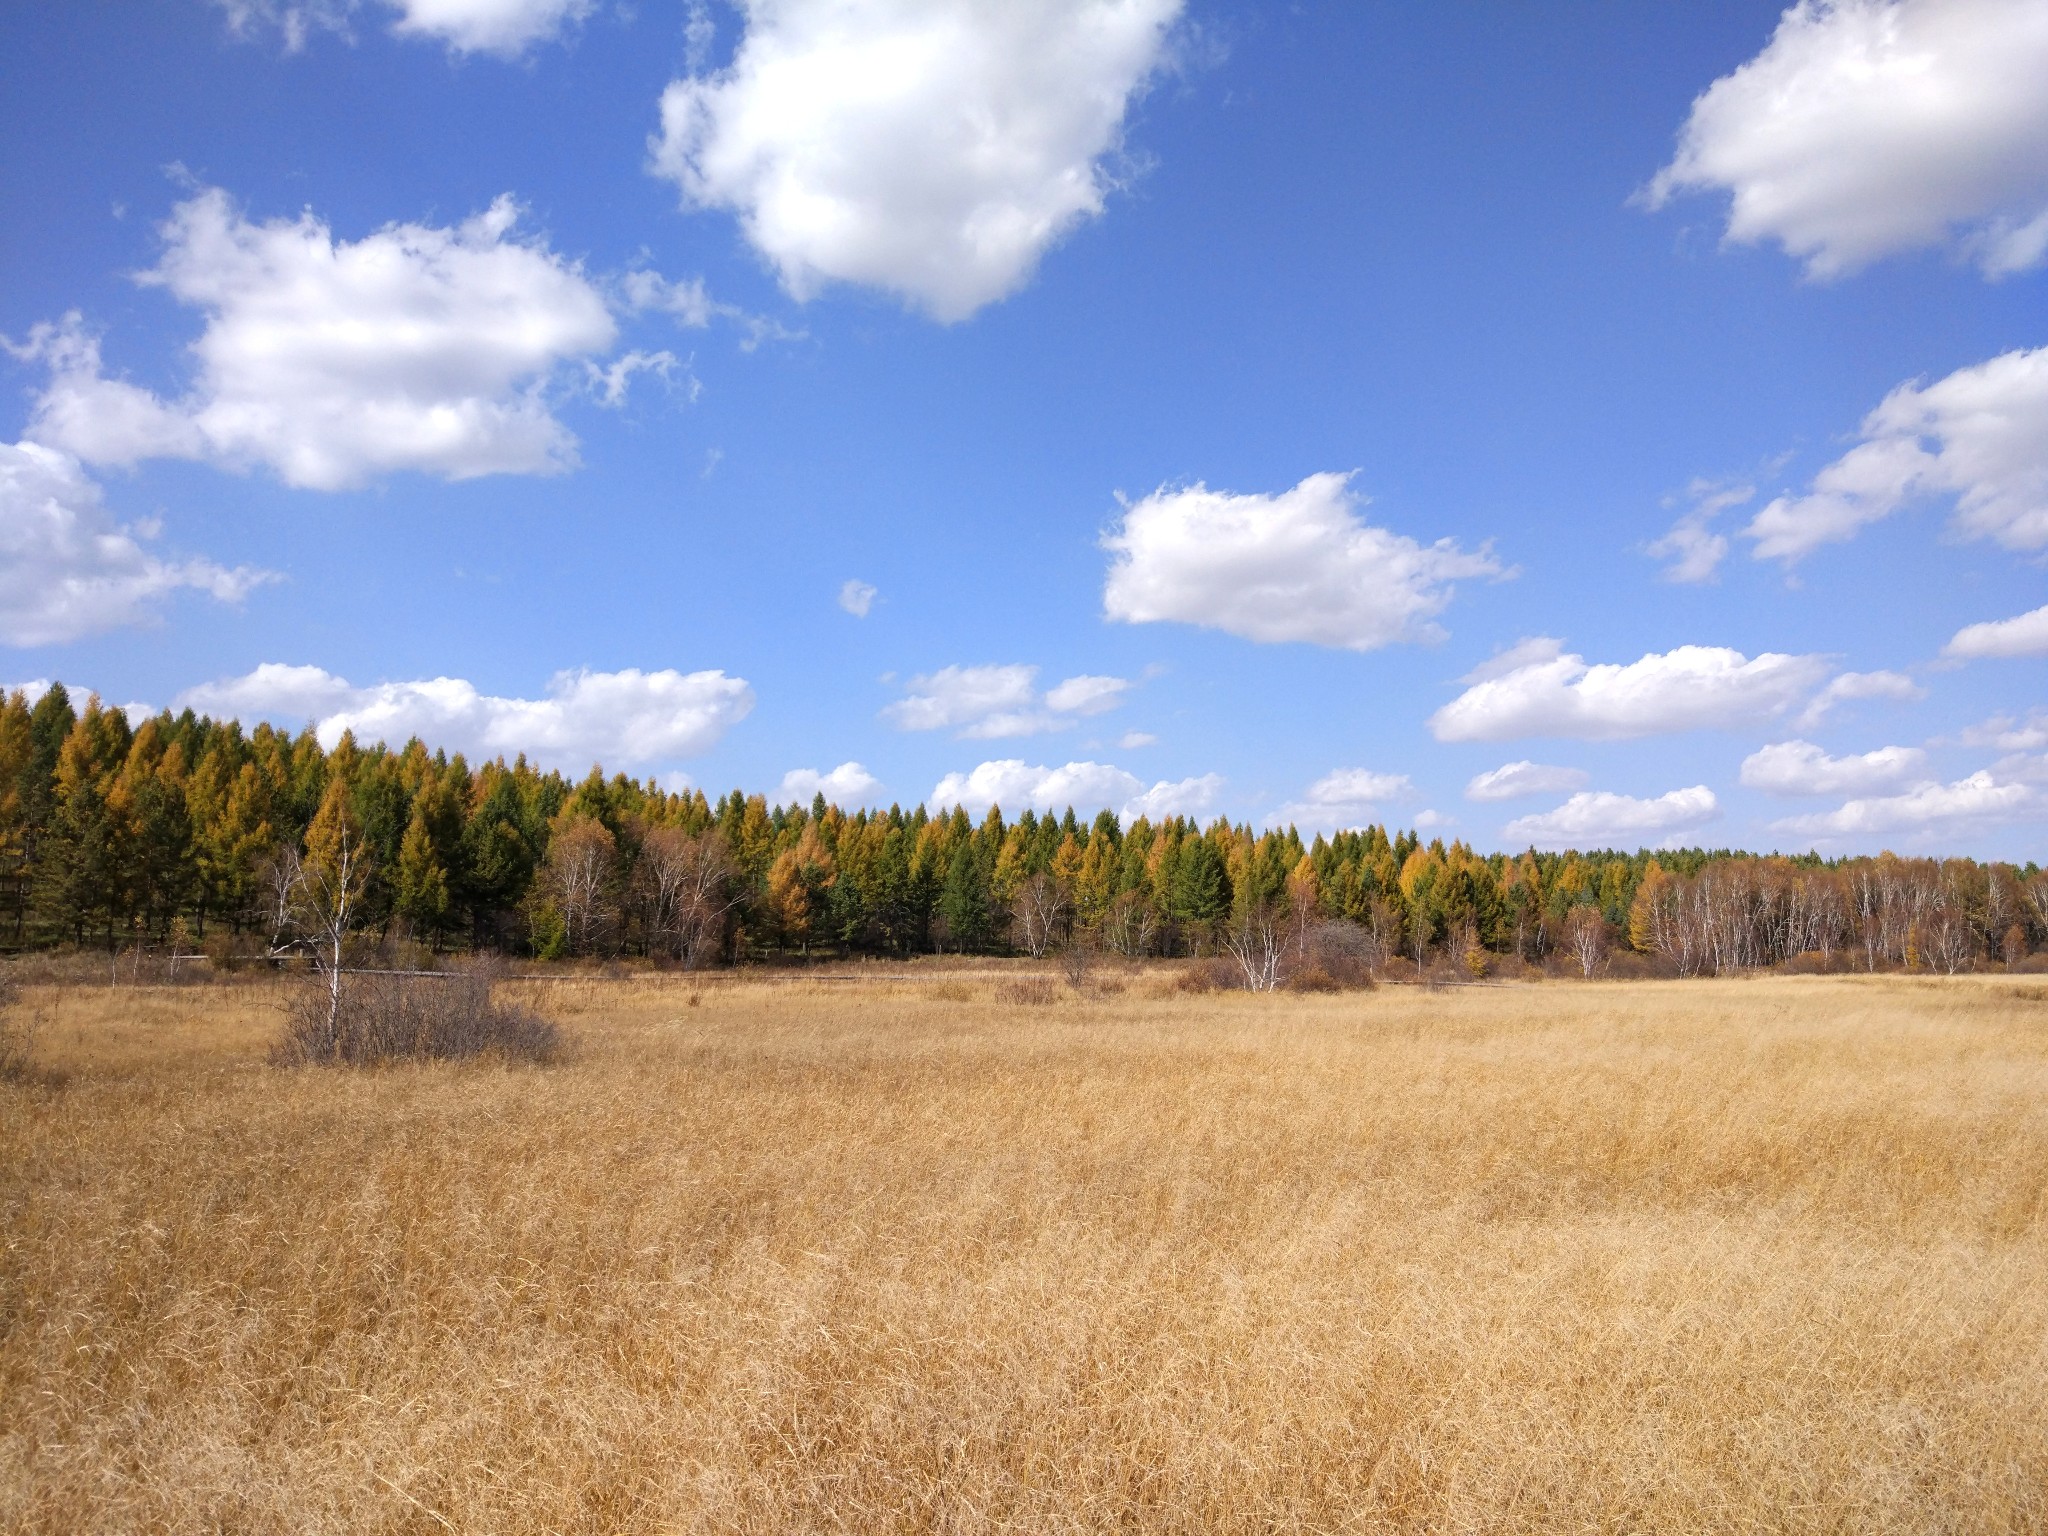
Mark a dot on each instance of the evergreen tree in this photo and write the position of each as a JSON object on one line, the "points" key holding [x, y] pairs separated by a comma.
{"points": [[17, 755], [1200, 888], [420, 881], [964, 901]]}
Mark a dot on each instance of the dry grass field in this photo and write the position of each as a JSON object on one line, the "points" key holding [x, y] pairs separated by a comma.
{"points": [[1717, 1256]]}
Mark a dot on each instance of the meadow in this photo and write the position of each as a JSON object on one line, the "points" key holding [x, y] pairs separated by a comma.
{"points": [[962, 1252]]}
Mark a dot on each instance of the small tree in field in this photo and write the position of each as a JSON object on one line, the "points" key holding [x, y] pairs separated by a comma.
{"points": [[317, 895]]}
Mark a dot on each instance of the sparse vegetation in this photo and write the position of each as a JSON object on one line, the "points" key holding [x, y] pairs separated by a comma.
{"points": [[908, 1255], [17, 1033], [377, 1019]]}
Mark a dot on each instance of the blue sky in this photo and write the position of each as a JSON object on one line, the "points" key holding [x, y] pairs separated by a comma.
{"points": [[1322, 399]]}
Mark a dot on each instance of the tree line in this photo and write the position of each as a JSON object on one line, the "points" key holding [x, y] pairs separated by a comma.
{"points": [[183, 830]]}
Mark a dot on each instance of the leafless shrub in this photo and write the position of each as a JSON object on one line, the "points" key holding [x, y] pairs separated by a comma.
{"points": [[1077, 960], [1212, 975], [384, 1019], [1345, 952], [1027, 991], [1313, 978], [228, 952]]}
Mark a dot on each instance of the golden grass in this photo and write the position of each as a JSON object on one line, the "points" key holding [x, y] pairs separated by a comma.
{"points": [[804, 1257]]}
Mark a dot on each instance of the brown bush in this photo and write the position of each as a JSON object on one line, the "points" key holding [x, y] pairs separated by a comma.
{"points": [[406, 1018], [1337, 952], [1313, 978], [228, 952], [1028, 991], [1208, 976]]}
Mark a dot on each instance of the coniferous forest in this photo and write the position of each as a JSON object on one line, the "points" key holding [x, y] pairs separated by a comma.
{"points": [[183, 831]]}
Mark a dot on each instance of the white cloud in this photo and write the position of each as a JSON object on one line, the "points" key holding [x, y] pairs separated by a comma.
{"points": [[988, 703], [848, 784], [67, 570], [689, 303], [275, 691], [933, 148], [1015, 784], [628, 719], [93, 417], [1175, 797], [610, 382], [1869, 127], [294, 20], [1531, 651], [984, 701], [1694, 549], [1299, 565], [414, 348], [1511, 781], [2026, 635], [1597, 818], [2008, 734], [1801, 768], [1982, 802], [1130, 741], [2021, 767], [857, 598], [1851, 686], [1980, 436], [1342, 798], [1540, 690], [503, 27], [1086, 695]]}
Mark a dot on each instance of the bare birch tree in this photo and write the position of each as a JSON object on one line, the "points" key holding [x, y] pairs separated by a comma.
{"points": [[317, 896], [1256, 939], [1040, 911], [695, 886]]}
